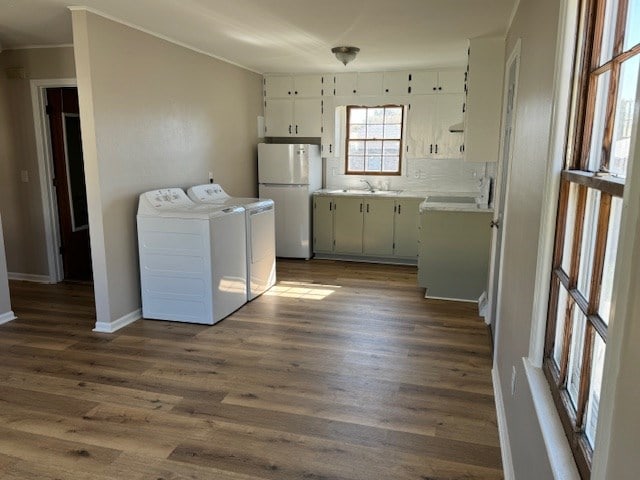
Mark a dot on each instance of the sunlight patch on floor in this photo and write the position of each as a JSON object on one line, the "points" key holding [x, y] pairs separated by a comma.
{"points": [[311, 291]]}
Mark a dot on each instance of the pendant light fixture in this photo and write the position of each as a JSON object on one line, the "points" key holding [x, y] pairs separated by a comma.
{"points": [[345, 54]]}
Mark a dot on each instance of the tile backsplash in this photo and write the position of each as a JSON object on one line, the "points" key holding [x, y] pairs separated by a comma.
{"points": [[418, 174]]}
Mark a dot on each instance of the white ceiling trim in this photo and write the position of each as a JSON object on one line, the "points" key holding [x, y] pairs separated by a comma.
{"points": [[158, 35]]}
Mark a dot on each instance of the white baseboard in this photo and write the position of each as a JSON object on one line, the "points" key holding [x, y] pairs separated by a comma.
{"points": [[7, 317], [29, 277], [505, 446], [110, 327]]}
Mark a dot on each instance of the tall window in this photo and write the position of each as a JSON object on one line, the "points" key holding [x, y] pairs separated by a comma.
{"points": [[589, 213], [374, 140]]}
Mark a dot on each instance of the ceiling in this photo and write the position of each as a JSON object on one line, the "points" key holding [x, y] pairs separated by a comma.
{"points": [[271, 36]]}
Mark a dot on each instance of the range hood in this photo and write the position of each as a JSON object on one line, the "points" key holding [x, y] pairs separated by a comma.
{"points": [[457, 127]]}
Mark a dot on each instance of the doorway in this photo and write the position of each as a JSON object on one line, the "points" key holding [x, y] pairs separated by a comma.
{"points": [[69, 182], [499, 216]]}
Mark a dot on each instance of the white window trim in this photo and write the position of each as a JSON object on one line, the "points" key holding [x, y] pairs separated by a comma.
{"points": [[557, 446]]}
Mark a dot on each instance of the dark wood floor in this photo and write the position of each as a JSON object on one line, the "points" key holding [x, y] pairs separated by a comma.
{"points": [[342, 371]]}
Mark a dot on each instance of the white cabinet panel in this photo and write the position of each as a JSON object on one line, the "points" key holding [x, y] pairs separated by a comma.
{"points": [[451, 81], [345, 84], [377, 237], [369, 84], [307, 85], [421, 126], [278, 86], [449, 112], [396, 83], [328, 128], [348, 224], [424, 82], [278, 117], [328, 85], [307, 117]]}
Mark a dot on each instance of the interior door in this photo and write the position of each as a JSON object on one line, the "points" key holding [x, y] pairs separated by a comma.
{"points": [[498, 218], [69, 182]]}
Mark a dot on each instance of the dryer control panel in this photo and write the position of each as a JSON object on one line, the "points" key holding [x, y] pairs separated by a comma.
{"points": [[208, 193], [168, 198]]}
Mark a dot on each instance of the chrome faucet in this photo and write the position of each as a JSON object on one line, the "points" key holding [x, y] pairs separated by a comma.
{"points": [[371, 189]]}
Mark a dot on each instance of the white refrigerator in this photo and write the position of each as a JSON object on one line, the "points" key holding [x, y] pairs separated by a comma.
{"points": [[289, 174]]}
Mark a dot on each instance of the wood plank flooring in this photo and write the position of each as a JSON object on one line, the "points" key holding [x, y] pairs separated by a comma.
{"points": [[342, 371]]}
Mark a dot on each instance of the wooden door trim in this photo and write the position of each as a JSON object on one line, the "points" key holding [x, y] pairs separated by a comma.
{"points": [[45, 171]]}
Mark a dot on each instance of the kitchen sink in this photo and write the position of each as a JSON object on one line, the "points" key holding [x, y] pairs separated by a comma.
{"points": [[457, 200], [360, 191]]}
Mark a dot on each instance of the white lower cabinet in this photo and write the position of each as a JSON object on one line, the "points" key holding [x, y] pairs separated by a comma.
{"points": [[366, 226]]}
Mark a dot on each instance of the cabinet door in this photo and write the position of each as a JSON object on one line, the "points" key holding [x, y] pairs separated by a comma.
{"points": [[347, 224], [322, 223], [345, 84], [406, 227], [377, 237], [307, 85], [328, 128], [420, 130], [396, 83], [278, 86], [328, 85], [369, 84], [278, 117], [307, 114], [424, 82], [451, 81], [449, 112]]}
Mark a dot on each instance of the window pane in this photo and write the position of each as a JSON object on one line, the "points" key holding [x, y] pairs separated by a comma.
{"points": [[390, 164], [374, 148], [392, 131], [608, 34], [624, 116], [632, 30], [561, 317], [375, 115], [358, 115], [356, 148], [610, 259], [587, 248], [597, 365], [357, 131], [569, 228], [391, 147], [374, 164], [599, 120], [393, 115], [575, 354], [356, 163], [375, 131]]}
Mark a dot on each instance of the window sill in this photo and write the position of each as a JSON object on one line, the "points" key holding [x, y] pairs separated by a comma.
{"points": [[561, 459]]}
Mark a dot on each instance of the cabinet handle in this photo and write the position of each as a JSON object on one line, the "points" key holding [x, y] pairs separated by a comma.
{"points": [[296, 92], [435, 88], [330, 206], [360, 208], [439, 88], [367, 208], [289, 129], [386, 90], [354, 91], [289, 93], [430, 146], [296, 129], [436, 148], [330, 146], [399, 209]]}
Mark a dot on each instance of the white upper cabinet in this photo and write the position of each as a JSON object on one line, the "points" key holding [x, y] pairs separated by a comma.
{"points": [[430, 117], [437, 81], [449, 112], [307, 116], [307, 85], [278, 86], [345, 84], [369, 84], [278, 117], [396, 83]]}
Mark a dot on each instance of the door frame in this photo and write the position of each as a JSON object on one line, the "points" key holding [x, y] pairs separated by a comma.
{"points": [[514, 56], [45, 171]]}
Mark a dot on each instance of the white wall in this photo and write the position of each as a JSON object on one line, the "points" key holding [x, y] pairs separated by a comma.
{"points": [[153, 115], [5, 302], [535, 23]]}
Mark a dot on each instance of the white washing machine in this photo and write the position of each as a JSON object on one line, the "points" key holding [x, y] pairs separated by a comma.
{"points": [[192, 258], [261, 234]]}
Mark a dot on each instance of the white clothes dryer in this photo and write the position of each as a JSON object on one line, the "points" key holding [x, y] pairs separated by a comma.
{"points": [[261, 234], [192, 258]]}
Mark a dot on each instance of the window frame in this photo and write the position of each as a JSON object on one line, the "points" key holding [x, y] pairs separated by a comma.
{"points": [[587, 67], [347, 139]]}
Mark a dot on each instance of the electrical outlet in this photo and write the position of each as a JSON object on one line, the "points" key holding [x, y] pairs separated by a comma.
{"points": [[513, 380], [210, 177], [24, 176]]}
